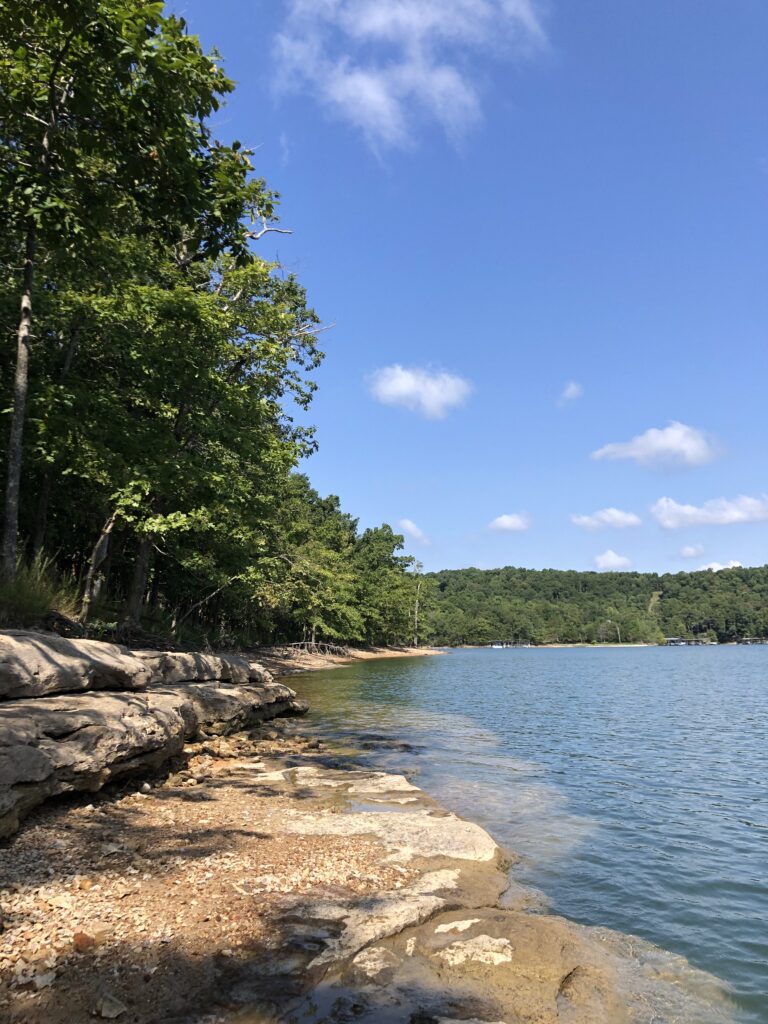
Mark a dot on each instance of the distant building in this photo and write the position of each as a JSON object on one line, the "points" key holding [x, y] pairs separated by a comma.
{"points": [[681, 641]]}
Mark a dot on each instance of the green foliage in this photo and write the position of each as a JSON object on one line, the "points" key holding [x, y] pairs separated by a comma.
{"points": [[171, 366], [104, 117], [476, 606]]}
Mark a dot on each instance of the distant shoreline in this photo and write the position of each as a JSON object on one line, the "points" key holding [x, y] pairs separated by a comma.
{"points": [[527, 647], [592, 647]]}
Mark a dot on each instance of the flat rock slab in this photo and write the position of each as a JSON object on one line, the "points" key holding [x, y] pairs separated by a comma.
{"points": [[407, 834], [440, 948], [41, 664], [170, 667], [510, 967], [75, 714], [36, 665]]}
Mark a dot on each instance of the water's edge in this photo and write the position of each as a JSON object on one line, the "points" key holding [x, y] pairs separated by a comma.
{"points": [[388, 745]]}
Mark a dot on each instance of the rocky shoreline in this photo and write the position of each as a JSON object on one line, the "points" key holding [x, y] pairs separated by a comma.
{"points": [[291, 661], [228, 870]]}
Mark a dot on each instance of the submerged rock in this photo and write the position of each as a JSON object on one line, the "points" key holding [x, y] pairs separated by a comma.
{"points": [[441, 948]]}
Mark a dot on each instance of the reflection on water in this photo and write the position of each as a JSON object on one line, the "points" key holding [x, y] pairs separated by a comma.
{"points": [[632, 783]]}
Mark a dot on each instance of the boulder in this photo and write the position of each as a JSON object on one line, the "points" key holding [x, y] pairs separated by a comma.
{"points": [[38, 664], [258, 674]]}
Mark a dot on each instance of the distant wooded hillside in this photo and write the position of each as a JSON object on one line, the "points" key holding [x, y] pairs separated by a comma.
{"points": [[477, 606]]}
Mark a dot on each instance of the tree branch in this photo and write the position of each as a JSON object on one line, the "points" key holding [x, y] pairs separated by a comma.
{"points": [[175, 625], [265, 230]]}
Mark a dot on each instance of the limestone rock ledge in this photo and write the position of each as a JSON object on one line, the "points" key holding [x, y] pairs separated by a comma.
{"points": [[39, 664], [61, 731]]}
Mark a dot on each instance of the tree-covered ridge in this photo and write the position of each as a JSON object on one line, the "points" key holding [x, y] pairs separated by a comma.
{"points": [[477, 606], [155, 363]]}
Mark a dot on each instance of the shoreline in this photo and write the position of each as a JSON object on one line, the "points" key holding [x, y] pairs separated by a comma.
{"points": [[593, 647], [256, 870], [288, 661], [552, 646], [270, 877]]}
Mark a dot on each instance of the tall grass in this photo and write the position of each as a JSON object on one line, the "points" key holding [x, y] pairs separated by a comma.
{"points": [[37, 590]]}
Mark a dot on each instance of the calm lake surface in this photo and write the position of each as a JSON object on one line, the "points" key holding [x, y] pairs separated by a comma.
{"points": [[633, 782]]}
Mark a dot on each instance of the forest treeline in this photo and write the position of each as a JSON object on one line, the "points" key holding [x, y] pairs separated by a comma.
{"points": [[156, 369], [479, 606]]}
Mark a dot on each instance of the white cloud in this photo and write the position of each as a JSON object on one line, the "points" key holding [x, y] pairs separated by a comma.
{"points": [[379, 63], [675, 445], [612, 562], [515, 522], [612, 517], [570, 392], [413, 531], [430, 393], [718, 566], [692, 551], [717, 512]]}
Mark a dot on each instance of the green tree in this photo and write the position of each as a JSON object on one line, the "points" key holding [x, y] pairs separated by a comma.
{"points": [[103, 129]]}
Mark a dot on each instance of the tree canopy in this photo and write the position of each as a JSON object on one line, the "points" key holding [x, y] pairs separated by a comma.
{"points": [[159, 368]]}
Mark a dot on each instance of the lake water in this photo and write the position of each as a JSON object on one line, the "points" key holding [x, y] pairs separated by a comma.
{"points": [[633, 782]]}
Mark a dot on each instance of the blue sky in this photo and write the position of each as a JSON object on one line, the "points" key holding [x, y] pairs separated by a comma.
{"points": [[541, 233]]}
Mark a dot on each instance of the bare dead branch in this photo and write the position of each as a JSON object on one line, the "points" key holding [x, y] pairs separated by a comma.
{"points": [[175, 625], [316, 330], [34, 117], [266, 229]]}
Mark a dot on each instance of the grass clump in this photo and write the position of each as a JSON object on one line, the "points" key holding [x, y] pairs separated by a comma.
{"points": [[36, 591]]}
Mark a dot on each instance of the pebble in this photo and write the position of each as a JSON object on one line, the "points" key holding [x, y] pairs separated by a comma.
{"points": [[109, 1008]]}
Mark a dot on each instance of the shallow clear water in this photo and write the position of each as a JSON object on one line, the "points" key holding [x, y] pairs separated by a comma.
{"points": [[633, 782]]}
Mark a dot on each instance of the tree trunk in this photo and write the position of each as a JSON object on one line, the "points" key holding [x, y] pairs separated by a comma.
{"points": [[20, 389], [41, 516], [135, 602], [154, 590], [98, 556], [115, 541]]}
